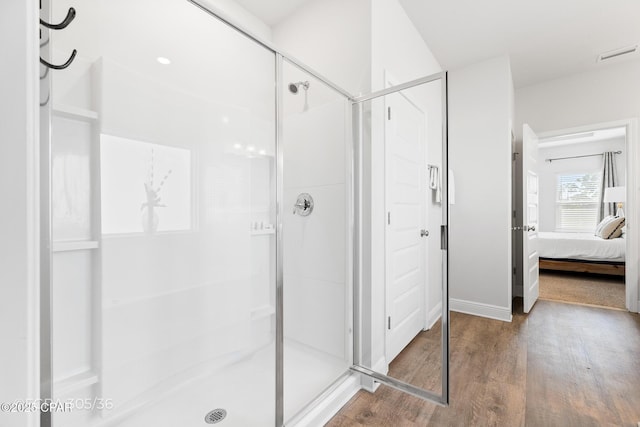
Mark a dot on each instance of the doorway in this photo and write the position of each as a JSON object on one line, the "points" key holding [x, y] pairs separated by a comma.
{"points": [[578, 262], [578, 265]]}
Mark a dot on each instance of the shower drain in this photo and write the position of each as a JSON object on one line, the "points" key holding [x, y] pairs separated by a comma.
{"points": [[215, 416]]}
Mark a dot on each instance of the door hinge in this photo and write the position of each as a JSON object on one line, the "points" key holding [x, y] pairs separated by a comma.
{"points": [[389, 322], [515, 156], [514, 271], [388, 113], [514, 214], [389, 218]]}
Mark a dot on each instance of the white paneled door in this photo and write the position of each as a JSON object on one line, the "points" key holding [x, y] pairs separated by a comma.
{"points": [[530, 262], [405, 202]]}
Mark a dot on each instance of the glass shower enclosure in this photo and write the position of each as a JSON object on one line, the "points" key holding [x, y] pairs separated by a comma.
{"points": [[198, 259], [178, 157]]}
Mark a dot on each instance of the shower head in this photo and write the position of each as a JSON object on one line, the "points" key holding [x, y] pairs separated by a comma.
{"points": [[294, 87]]}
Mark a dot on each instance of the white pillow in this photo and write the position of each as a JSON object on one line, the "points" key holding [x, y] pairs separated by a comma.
{"points": [[612, 229], [604, 222]]}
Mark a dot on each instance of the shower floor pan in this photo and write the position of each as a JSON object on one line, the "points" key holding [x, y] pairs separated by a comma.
{"points": [[245, 390]]}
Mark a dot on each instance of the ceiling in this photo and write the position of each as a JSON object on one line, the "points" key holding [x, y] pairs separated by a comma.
{"points": [[271, 12], [545, 39]]}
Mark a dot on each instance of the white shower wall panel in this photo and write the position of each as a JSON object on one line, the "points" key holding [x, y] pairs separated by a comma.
{"points": [[172, 302], [315, 314], [315, 146], [72, 323], [156, 109], [315, 246], [70, 179], [179, 301]]}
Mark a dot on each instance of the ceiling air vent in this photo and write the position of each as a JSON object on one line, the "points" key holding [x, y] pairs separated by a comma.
{"points": [[612, 54]]}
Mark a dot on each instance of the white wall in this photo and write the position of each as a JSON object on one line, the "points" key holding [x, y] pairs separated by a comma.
{"points": [[480, 156], [18, 218], [333, 38], [610, 93], [235, 13], [548, 171]]}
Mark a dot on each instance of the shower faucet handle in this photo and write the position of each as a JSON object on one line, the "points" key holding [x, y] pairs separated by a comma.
{"points": [[303, 205]]}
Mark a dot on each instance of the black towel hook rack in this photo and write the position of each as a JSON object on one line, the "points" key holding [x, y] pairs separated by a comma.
{"points": [[63, 66], [71, 14]]}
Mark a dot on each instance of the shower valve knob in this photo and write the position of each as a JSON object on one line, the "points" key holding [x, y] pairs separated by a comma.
{"points": [[304, 205]]}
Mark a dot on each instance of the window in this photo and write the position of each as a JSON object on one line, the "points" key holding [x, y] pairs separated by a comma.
{"points": [[577, 202]]}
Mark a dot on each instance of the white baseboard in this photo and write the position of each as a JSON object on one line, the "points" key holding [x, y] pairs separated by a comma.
{"points": [[381, 366], [480, 309], [325, 409], [434, 315]]}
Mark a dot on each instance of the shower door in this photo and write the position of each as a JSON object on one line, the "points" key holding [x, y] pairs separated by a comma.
{"points": [[402, 201], [163, 177]]}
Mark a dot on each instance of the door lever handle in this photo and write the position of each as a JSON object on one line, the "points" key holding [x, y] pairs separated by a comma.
{"points": [[424, 233], [525, 228]]}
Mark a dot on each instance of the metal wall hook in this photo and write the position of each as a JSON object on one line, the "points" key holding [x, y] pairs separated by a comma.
{"points": [[63, 66], [46, 101], [71, 14]]}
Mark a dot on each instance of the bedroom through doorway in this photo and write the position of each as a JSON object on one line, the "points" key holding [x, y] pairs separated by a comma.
{"points": [[582, 240]]}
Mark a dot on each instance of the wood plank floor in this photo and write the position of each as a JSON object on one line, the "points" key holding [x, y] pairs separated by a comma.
{"points": [[562, 365]]}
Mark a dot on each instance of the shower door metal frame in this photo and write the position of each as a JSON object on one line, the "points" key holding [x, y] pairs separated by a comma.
{"points": [[357, 104], [46, 222]]}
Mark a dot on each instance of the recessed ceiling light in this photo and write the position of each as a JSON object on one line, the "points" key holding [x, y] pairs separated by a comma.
{"points": [[263, 152], [251, 148], [225, 119], [237, 146], [162, 60]]}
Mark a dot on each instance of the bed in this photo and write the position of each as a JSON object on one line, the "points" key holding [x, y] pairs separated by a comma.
{"points": [[581, 252]]}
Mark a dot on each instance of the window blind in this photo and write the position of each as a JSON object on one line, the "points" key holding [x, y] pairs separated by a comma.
{"points": [[577, 201]]}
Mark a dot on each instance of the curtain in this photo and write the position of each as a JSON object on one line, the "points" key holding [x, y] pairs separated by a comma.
{"points": [[609, 179]]}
